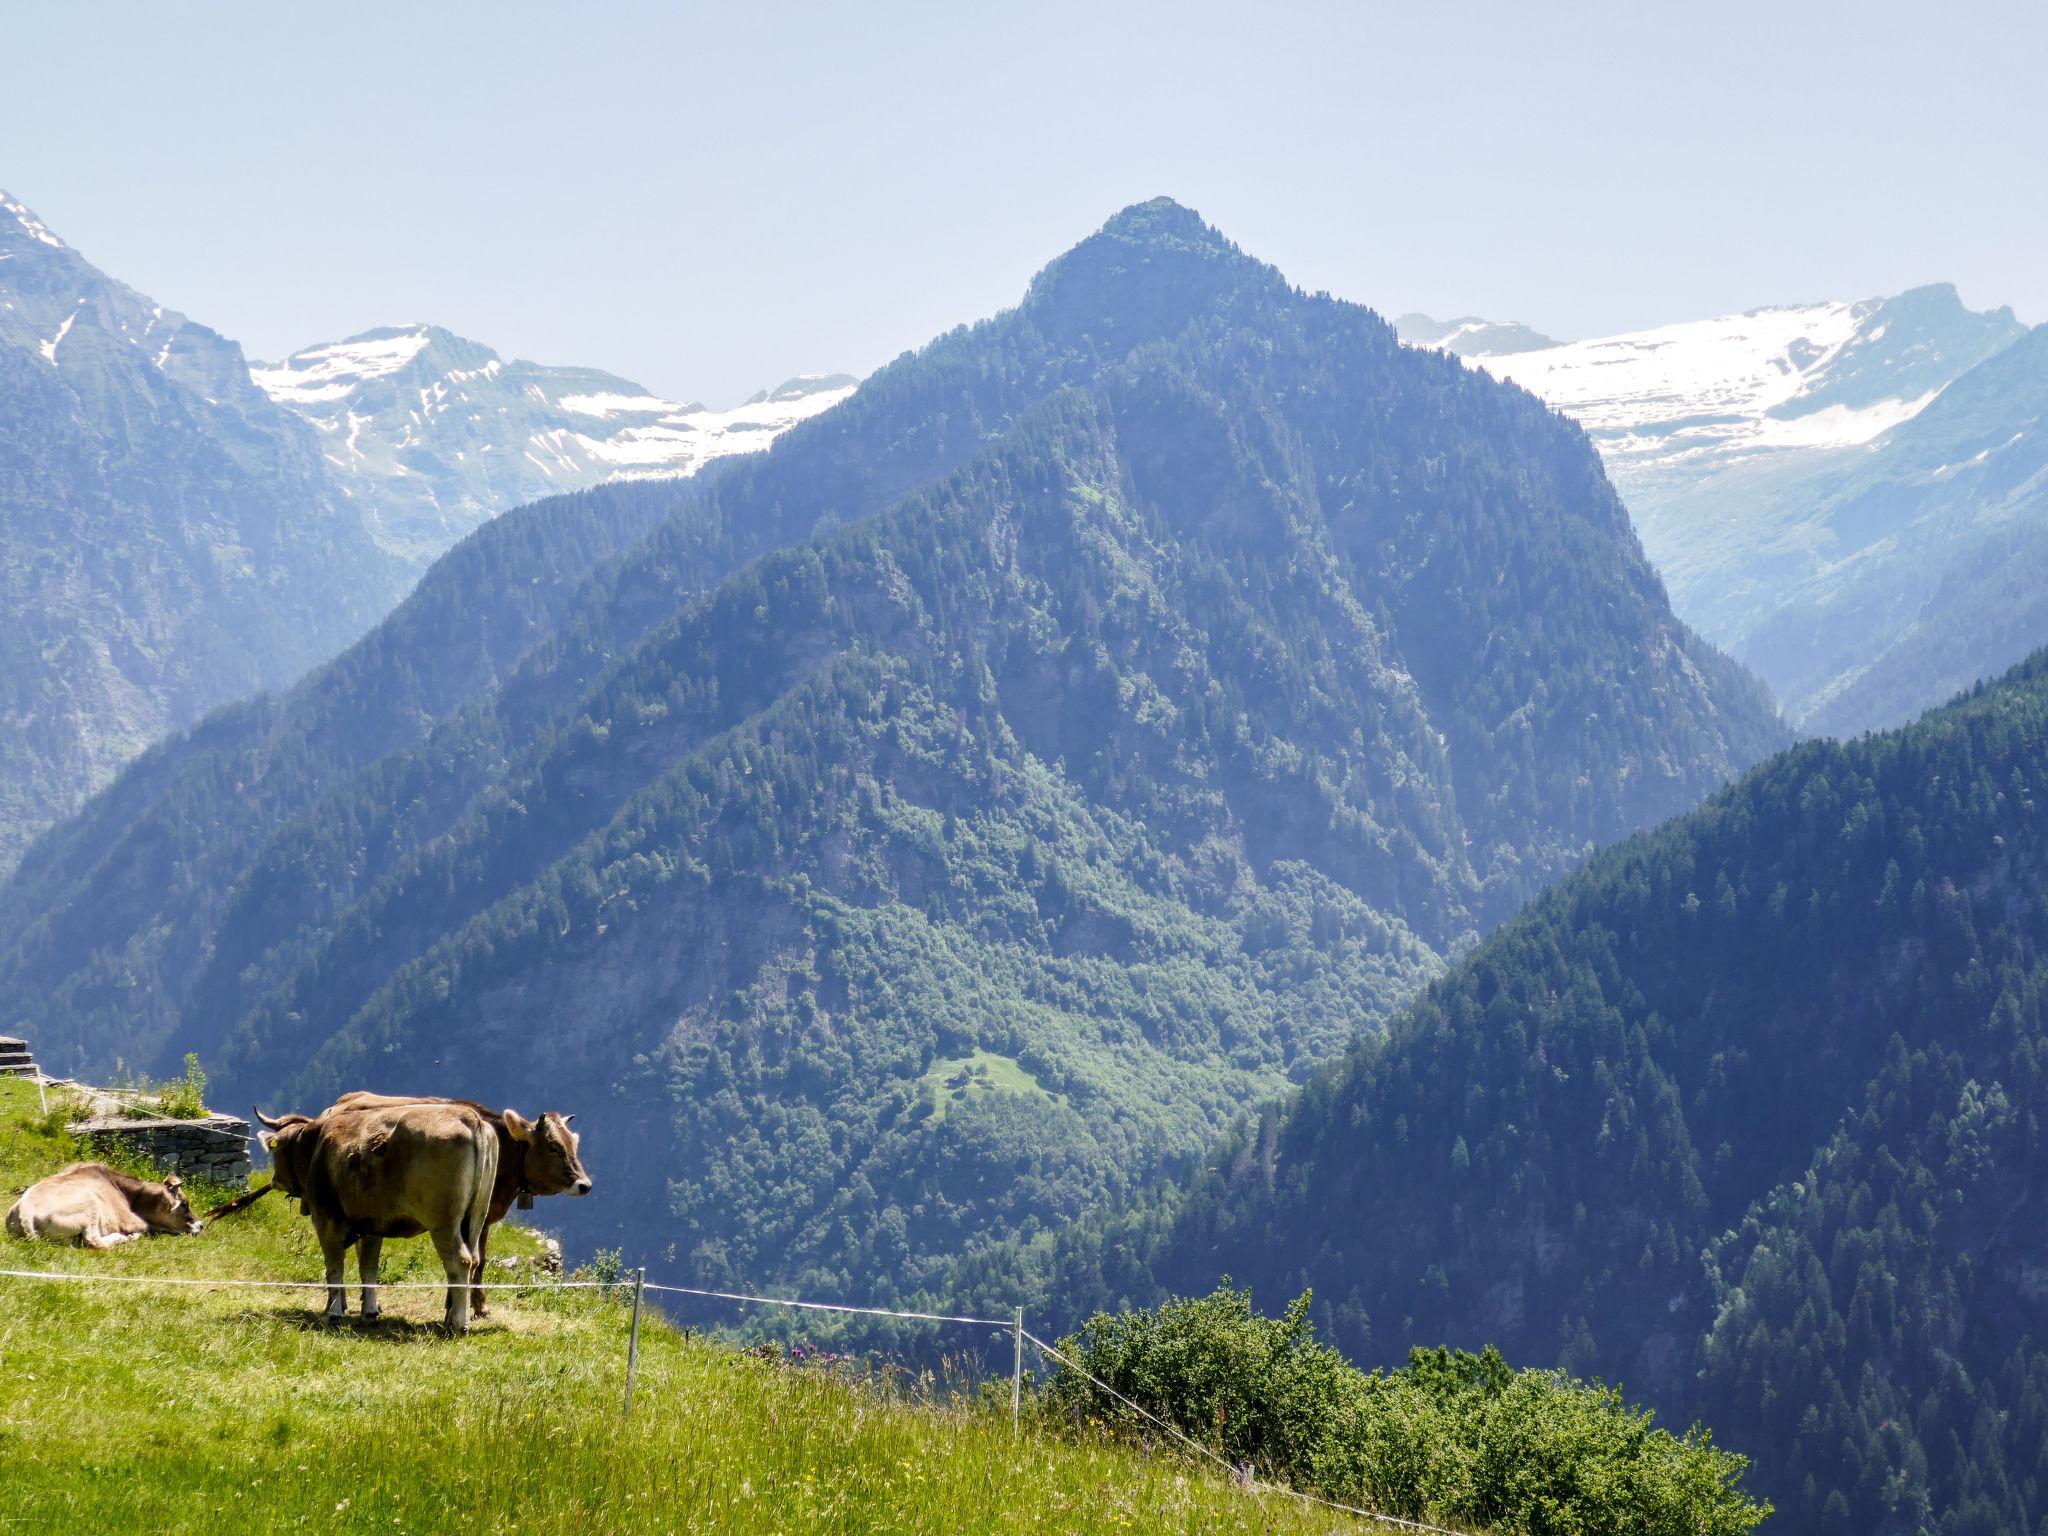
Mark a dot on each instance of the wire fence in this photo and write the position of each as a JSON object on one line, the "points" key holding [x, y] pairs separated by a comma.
{"points": [[228, 1282], [639, 1284]]}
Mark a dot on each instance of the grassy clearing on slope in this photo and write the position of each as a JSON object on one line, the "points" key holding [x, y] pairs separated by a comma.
{"points": [[185, 1409], [956, 1079]]}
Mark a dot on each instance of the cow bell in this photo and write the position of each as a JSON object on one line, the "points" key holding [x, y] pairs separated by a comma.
{"points": [[525, 1200]]}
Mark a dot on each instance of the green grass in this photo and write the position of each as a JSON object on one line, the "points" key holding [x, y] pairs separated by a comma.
{"points": [[978, 1076], [182, 1409]]}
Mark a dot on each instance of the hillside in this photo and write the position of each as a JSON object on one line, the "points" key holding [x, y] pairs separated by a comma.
{"points": [[429, 434], [1132, 696], [1746, 1114], [168, 540], [1847, 496], [1936, 546], [188, 1409]]}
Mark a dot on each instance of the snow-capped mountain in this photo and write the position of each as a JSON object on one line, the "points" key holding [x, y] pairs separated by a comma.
{"points": [[1469, 336], [1931, 554], [58, 306], [1784, 472], [1682, 400], [431, 433]]}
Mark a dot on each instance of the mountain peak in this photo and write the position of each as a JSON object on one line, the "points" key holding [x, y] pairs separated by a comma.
{"points": [[801, 385], [1162, 220], [1144, 275], [25, 217], [1471, 335]]}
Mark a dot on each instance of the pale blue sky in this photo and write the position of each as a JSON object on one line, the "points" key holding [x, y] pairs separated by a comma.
{"points": [[709, 199]]}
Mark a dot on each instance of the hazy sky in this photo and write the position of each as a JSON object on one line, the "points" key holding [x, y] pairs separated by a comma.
{"points": [[710, 199]]}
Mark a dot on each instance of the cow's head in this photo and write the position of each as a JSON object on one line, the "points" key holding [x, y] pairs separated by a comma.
{"points": [[554, 1166], [165, 1207], [289, 1141]]}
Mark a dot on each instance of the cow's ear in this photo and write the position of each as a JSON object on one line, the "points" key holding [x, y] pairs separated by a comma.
{"points": [[173, 1183], [267, 1139], [520, 1127]]}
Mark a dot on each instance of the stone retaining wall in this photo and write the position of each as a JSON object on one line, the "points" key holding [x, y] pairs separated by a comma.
{"points": [[215, 1149]]}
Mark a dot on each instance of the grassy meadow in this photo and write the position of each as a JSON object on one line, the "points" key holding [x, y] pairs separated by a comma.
{"points": [[144, 1408]]}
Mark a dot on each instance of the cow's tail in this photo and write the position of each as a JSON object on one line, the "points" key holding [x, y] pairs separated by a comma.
{"points": [[485, 1138]]}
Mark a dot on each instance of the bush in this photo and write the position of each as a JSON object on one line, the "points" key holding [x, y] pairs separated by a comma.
{"points": [[1454, 1438], [184, 1098], [1258, 1391]]}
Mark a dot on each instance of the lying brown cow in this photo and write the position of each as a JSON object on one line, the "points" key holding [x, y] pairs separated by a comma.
{"points": [[535, 1157], [398, 1170], [90, 1203]]}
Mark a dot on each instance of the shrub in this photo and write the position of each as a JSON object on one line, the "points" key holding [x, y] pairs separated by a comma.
{"points": [[1258, 1391], [1457, 1439], [184, 1098]]}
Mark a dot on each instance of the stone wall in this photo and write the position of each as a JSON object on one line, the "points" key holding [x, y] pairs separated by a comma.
{"points": [[215, 1149]]}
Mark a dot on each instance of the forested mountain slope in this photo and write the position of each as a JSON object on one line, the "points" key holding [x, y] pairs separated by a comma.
{"points": [[1747, 1114], [935, 822], [168, 541]]}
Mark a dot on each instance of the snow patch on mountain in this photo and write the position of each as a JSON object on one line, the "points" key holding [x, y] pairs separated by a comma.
{"points": [[338, 369], [1707, 387], [35, 227], [616, 405], [1678, 401], [49, 348]]}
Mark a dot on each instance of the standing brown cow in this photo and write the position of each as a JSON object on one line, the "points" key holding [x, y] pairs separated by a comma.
{"points": [[369, 1173], [92, 1204], [535, 1157]]}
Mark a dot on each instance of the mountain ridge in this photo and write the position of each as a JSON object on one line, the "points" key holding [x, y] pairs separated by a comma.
{"points": [[1107, 688], [169, 541], [177, 536]]}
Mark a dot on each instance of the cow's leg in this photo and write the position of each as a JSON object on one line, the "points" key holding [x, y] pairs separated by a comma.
{"points": [[111, 1228], [369, 1256], [455, 1264], [476, 1291], [334, 1248]]}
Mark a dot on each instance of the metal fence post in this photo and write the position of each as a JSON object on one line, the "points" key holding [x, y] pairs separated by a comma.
{"points": [[1017, 1374], [633, 1338]]}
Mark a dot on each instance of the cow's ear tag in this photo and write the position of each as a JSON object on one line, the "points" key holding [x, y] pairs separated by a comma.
{"points": [[525, 1201]]}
